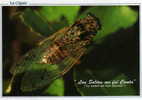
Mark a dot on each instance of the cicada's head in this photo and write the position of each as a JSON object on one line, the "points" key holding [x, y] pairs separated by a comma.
{"points": [[87, 27]]}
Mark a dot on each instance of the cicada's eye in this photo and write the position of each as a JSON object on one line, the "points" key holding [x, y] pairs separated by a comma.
{"points": [[98, 27], [90, 14]]}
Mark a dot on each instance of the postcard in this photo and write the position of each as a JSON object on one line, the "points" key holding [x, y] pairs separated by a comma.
{"points": [[78, 50]]}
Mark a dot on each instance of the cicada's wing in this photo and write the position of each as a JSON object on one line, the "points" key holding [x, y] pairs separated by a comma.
{"points": [[55, 36], [32, 57], [25, 63], [69, 62], [26, 60], [45, 74], [39, 77]]}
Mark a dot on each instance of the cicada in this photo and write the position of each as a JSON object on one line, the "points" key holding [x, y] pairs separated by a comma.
{"points": [[56, 55]]}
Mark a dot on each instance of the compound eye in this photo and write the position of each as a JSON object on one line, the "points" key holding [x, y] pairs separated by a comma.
{"points": [[92, 15], [97, 20]]}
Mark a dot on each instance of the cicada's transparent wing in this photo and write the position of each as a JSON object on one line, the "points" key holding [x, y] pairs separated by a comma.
{"points": [[45, 74], [25, 64], [40, 77], [34, 54], [68, 63], [29, 57], [55, 36]]}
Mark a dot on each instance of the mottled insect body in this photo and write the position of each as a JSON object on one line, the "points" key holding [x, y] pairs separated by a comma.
{"points": [[56, 54], [76, 37]]}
